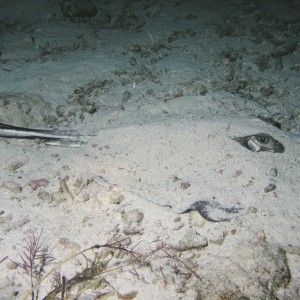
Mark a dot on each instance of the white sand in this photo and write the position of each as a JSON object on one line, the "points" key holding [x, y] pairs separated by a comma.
{"points": [[138, 158]]}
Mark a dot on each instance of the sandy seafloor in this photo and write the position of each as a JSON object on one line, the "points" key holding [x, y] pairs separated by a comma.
{"points": [[158, 89]]}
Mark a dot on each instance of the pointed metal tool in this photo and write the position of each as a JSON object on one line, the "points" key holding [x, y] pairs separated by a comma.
{"points": [[68, 138]]}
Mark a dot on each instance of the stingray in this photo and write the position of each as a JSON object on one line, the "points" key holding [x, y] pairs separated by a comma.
{"points": [[213, 211], [260, 142]]}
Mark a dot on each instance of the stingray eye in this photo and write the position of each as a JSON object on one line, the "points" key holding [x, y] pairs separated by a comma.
{"points": [[263, 139]]}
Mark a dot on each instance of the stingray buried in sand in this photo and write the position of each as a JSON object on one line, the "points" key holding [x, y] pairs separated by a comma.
{"points": [[260, 142]]}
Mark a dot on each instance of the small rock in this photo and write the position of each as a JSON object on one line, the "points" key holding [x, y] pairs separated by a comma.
{"points": [[134, 48], [59, 197], [271, 187], [17, 224], [192, 240], [36, 183], [252, 210], [233, 231], [85, 197], [12, 186], [90, 296], [273, 172], [178, 226], [177, 219], [85, 219], [125, 97], [127, 296], [141, 70], [185, 185], [133, 216], [260, 235], [199, 89], [217, 237], [116, 199], [11, 265], [133, 230], [195, 221], [67, 244], [120, 72], [6, 219], [14, 166], [78, 8], [267, 91], [45, 197]]}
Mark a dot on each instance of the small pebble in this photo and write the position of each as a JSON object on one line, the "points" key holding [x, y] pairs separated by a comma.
{"points": [[141, 70], [58, 197], [149, 91], [45, 197], [12, 186], [271, 187], [11, 265], [85, 197], [252, 210], [120, 72], [134, 48], [116, 199], [6, 219], [191, 240], [177, 226], [78, 9], [132, 61], [273, 172], [14, 166], [260, 235], [85, 219], [133, 216], [185, 185], [38, 183], [125, 97], [217, 237], [67, 244], [177, 219], [133, 230]]}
